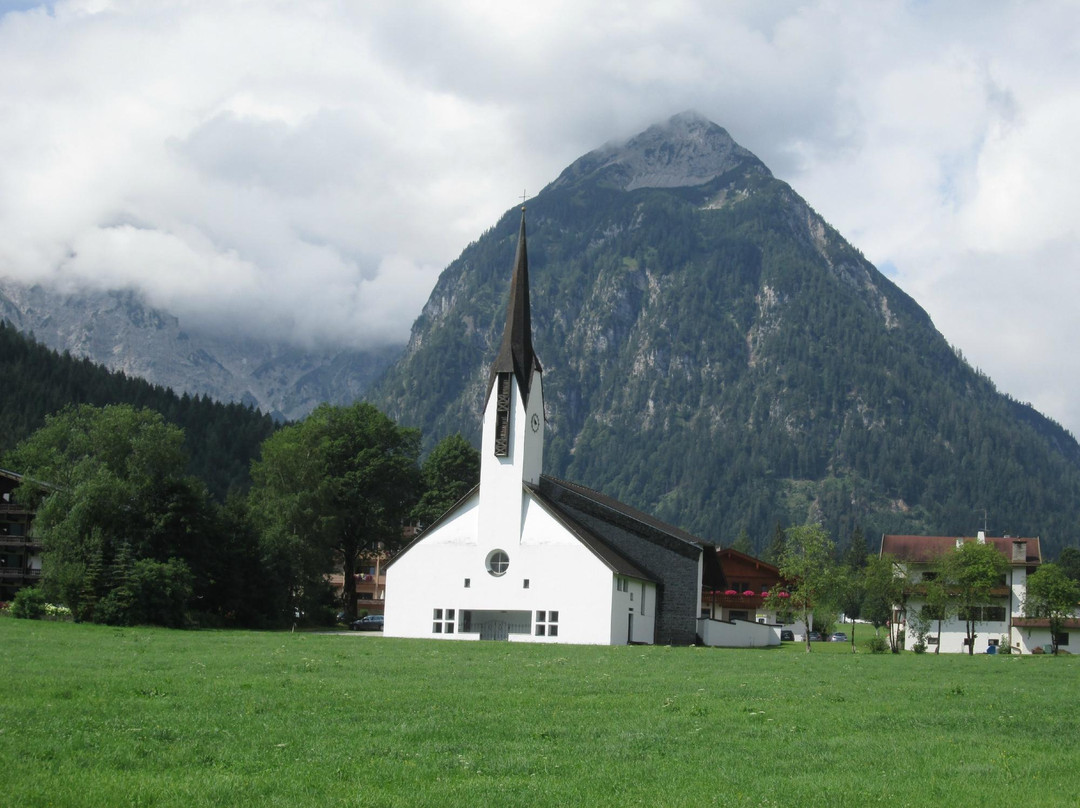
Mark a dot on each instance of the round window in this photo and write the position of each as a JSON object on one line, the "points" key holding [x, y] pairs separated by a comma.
{"points": [[497, 562]]}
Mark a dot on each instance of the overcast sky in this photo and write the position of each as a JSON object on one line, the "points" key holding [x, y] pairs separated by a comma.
{"points": [[308, 168]]}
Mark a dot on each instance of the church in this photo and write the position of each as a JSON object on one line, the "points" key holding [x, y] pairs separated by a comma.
{"points": [[526, 557]]}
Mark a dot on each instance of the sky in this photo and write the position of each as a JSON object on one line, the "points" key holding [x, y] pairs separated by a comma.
{"points": [[304, 169]]}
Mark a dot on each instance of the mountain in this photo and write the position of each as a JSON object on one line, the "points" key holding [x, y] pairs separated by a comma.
{"points": [[118, 330], [717, 354]]}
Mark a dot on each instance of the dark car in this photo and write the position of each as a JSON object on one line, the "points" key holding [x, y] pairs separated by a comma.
{"points": [[815, 636], [839, 636], [373, 622], [787, 635]]}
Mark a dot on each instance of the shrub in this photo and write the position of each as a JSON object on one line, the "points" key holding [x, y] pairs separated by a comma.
{"points": [[919, 647], [877, 645], [29, 604]]}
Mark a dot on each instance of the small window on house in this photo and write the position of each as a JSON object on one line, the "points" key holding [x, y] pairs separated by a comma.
{"points": [[525, 584], [436, 628], [468, 582], [931, 640], [992, 642], [1061, 639], [642, 607], [541, 617], [436, 614], [929, 576]]}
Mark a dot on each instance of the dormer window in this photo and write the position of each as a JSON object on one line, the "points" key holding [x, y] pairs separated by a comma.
{"points": [[502, 415]]}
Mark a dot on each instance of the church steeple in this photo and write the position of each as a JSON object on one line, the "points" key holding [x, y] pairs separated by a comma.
{"points": [[516, 353]]}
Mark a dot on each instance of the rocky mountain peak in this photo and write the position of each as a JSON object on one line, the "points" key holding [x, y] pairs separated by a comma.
{"points": [[686, 150]]}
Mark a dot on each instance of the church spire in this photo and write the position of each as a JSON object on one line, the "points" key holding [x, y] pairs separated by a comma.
{"points": [[516, 354]]}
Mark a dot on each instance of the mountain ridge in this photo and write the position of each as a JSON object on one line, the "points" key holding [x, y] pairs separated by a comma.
{"points": [[719, 355]]}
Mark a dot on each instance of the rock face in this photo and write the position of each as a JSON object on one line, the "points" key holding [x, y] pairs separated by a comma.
{"points": [[117, 330], [684, 151], [715, 353]]}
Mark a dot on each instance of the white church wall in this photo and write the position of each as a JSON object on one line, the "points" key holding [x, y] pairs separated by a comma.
{"points": [[447, 571], [633, 610]]}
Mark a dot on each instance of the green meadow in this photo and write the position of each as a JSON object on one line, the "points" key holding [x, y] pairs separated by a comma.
{"points": [[99, 716]]}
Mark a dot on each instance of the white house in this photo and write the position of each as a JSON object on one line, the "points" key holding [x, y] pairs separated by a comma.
{"points": [[1001, 619], [529, 558]]}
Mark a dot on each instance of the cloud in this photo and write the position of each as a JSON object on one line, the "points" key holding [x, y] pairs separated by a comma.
{"points": [[304, 169]]}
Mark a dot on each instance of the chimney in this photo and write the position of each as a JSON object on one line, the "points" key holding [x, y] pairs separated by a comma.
{"points": [[1019, 551], [982, 537]]}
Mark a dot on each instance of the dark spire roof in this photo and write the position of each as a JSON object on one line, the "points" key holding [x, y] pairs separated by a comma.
{"points": [[516, 353]]}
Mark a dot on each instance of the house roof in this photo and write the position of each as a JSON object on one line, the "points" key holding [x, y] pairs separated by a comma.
{"points": [[516, 354], [1044, 622], [745, 559], [926, 549]]}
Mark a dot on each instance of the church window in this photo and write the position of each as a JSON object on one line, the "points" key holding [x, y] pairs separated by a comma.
{"points": [[497, 562], [525, 584], [547, 624], [502, 415], [443, 621], [468, 582]]}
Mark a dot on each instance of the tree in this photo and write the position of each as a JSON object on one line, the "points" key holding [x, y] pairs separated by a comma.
{"points": [[806, 564], [1051, 594], [449, 473], [776, 546], [114, 503], [742, 543], [969, 573], [329, 490], [883, 593], [1069, 561]]}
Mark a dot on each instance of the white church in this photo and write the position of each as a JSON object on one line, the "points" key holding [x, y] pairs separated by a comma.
{"points": [[528, 558]]}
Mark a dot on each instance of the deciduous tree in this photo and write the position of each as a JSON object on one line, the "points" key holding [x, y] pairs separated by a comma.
{"points": [[969, 573], [329, 490], [806, 564], [1054, 595]]}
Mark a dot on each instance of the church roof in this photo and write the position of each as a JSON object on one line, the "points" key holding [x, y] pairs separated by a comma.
{"points": [[613, 523], [516, 353]]}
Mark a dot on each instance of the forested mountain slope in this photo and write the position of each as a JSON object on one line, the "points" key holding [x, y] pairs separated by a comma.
{"points": [[221, 439], [717, 354]]}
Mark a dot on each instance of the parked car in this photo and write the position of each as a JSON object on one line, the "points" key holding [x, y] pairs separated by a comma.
{"points": [[787, 635], [838, 636], [373, 622], [815, 636]]}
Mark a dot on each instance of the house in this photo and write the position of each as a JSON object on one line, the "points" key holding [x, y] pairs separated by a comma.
{"points": [[740, 605], [370, 582], [529, 558], [20, 552], [999, 620]]}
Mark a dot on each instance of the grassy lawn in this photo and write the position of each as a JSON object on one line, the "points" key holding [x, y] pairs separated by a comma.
{"points": [[97, 716]]}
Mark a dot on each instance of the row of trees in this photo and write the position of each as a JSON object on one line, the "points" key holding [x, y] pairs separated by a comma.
{"points": [[871, 587], [130, 537]]}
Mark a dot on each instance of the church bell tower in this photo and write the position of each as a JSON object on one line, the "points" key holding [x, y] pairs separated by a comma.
{"points": [[512, 447]]}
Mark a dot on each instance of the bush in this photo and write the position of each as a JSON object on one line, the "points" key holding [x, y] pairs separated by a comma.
{"points": [[877, 644], [919, 647], [29, 604]]}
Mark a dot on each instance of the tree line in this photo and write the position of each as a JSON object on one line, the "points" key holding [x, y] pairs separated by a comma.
{"points": [[130, 537]]}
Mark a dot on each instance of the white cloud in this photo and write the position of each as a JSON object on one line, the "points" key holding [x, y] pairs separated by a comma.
{"points": [[305, 168]]}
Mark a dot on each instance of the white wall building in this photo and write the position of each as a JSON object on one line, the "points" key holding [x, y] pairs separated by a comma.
{"points": [[528, 558], [1000, 619]]}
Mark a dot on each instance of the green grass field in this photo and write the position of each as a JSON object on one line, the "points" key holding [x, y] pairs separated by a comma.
{"points": [[97, 716]]}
